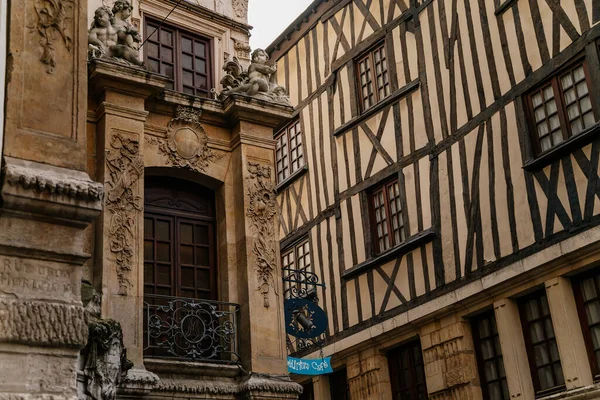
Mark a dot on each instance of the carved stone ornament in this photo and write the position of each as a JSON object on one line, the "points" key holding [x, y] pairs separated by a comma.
{"points": [[125, 167], [50, 182], [261, 211], [105, 362], [113, 36], [258, 82], [242, 49], [240, 9], [186, 143], [51, 25]]}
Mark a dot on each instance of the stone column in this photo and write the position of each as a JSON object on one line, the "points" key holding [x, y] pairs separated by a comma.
{"points": [[514, 353], [569, 337], [449, 357], [369, 376], [262, 331], [321, 388], [47, 199], [118, 274]]}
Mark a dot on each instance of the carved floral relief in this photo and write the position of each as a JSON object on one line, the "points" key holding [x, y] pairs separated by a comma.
{"points": [[240, 9], [51, 25], [186, 143], [261, 211], [125, 167]]}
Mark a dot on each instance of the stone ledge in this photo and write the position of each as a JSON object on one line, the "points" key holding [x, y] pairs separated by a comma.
{"points": [[50, 191], [191, 368], [42, 324]]}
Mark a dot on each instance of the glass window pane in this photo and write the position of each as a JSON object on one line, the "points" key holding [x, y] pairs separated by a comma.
{"points": [[201, 235], [163, 276], [152, 49], [188, 78], [199, 49], [203, 281], [163, 252], [166, 37], [148, 228], [163, 230], [186, 61], [148, 273], [202, 256], [537, 99], [186, 45], [166, 55], [166, 69], [200, 82], [582, 89], [186, 232], [578, 73], [187, 276], [148, 250], [567, 81], [186, 255], [200, 66]]}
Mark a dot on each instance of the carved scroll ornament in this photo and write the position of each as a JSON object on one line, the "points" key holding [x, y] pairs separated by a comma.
{"points": [[261, 211], [51, 24], [125, 167], [186, 143], [240, 9]]}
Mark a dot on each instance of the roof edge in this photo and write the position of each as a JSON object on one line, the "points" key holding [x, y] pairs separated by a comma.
{"points": [[307, 17]]}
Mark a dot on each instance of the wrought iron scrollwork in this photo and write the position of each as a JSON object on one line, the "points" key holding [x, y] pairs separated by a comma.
{"points": [[198, 330], [301, 284]]}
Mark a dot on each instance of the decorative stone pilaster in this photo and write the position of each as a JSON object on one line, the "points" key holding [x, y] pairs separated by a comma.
{"points": [[569, 337], [368, 376], [120, 142], [321, 388], [514, 353], [262, 339], [450, 364]]}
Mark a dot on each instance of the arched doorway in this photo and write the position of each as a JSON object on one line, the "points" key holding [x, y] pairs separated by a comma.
{"points": [[179, 239]]}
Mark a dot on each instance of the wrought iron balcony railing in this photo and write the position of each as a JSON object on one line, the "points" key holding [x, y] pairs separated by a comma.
{"points": [[190, 329]]}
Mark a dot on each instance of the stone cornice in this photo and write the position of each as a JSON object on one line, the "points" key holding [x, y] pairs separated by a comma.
{"points": [[50, 192], [118, 110]]}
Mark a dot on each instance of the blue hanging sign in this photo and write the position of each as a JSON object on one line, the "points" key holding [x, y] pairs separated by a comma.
{"points": [[304, 319], [319, 366]]}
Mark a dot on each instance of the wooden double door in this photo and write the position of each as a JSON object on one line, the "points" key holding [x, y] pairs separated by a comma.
{"points": [[179, 240]]}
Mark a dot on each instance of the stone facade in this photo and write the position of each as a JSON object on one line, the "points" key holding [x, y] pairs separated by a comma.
{"points": [[74, 173]]}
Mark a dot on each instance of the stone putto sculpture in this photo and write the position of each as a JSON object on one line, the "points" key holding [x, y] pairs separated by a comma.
{"points": [[258, 81], [113, 36]]}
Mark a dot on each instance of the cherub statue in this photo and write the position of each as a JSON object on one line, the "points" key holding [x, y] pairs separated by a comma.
{"points": [[127, 32], [109, 38], [258, 81]]}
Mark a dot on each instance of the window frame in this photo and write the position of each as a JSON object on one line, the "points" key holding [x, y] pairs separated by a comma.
{"points": [[583, 319], [565, 125], [369, 55], [394, 357], [293, 249], [285, 131], [529, 345], [383, 186], [179, 33], [477, 341]]}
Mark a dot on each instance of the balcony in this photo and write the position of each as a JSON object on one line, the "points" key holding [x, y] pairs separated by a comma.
{"points": [[190, 329]]}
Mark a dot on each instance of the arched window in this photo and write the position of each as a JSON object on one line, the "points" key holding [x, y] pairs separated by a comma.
{"points": [[179, 239]]}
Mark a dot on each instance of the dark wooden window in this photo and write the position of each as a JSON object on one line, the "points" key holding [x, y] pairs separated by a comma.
{"points": [[489, 357], [183, 57], [338, 385], [542, 350], [373, 76], [289, 154], [386, 216], [307, 392], [179, 249], [407, 373], [560, 108], [587, 296], [297, 258]]}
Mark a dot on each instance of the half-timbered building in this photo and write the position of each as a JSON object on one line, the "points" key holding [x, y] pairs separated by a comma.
{"points": [[440, 176]]}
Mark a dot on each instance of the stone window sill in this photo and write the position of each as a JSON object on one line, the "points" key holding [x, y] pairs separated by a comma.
{"points": [[158, 366], [407, 246], [563, 149], [584, 393], [291, 179]]}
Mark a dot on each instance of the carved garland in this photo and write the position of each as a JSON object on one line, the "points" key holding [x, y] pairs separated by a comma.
{"points": [[262, 209], [52, 21], [125, 167], [186, 143]]}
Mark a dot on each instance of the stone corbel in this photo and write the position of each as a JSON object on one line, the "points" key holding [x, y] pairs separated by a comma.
{"points": [[62, 195]]}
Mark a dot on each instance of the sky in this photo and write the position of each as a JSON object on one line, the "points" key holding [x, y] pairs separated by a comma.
{"points": [[270, 18]]}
